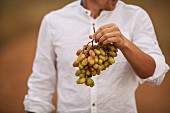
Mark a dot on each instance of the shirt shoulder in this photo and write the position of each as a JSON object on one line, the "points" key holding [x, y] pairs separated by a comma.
{"points": [[131, 10], [65, 11], [129, 7], [56, 20]]}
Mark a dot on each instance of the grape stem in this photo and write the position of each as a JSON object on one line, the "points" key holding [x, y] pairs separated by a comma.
{"points": [[92, 40], [94, 29], [94, 32]]}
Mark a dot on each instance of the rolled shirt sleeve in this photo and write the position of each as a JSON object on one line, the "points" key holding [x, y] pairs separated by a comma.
{"points": [[145, 38], [42, 82]]}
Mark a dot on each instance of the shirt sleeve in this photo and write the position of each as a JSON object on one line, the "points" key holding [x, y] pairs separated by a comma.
{"points": [[42, 82], [145, 38]]}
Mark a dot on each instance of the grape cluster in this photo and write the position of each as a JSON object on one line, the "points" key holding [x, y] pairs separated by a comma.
{"points": [[92, 59]]}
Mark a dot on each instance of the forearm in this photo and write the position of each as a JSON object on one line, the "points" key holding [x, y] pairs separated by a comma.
{"points": [[143, 64]]}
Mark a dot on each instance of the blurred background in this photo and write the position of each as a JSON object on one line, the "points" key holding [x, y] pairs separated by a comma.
{"points": [[19, 25]]}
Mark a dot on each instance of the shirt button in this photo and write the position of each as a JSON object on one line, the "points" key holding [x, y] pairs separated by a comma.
{"points": [[93, 104], [86, 12]]}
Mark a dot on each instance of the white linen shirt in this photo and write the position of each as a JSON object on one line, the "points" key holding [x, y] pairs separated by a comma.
{"points": [[65, 31]]}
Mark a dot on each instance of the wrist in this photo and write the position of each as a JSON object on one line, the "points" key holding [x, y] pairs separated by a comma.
{"points": [[126, 45]]}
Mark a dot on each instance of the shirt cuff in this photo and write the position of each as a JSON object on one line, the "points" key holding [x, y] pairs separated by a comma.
{"points": [[37, 106], [161, 69]]}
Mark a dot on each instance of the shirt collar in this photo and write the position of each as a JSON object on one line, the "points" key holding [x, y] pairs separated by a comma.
{"points": [[88, 12]]}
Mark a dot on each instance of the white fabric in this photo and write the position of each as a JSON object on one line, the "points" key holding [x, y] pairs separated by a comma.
{"points": [[66, 30]]}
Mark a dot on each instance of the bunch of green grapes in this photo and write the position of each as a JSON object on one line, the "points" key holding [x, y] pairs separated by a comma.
{"points": [[92, 59]]}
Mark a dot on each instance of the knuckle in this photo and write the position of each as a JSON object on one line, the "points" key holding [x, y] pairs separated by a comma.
{"points": [[116, 40], [100, 40], [113, 24], [116, 28], [109, 40], [102, 32], [97, 38], [105, 42], [105, 36], [112, 28], [118, 33], [101, 28]]}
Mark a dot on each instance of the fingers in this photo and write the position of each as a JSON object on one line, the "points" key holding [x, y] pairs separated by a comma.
{"points": [[109, 40], [105, 32], [104, 27], [105, 37], [114, 40], [108, 35]]}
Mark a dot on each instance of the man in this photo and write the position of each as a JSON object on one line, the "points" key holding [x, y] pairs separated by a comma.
{"points": [[64, 31]]}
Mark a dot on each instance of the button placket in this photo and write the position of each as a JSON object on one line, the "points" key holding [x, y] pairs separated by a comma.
{"points": [[87, 13], [93, 89], [94, 97]]}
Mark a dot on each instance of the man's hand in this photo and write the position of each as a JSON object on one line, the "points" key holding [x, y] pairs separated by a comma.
{"points": [[110, 33], [143, 64]]}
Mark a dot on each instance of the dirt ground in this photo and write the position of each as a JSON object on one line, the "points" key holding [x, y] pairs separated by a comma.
{"points": [[16, 58]]}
